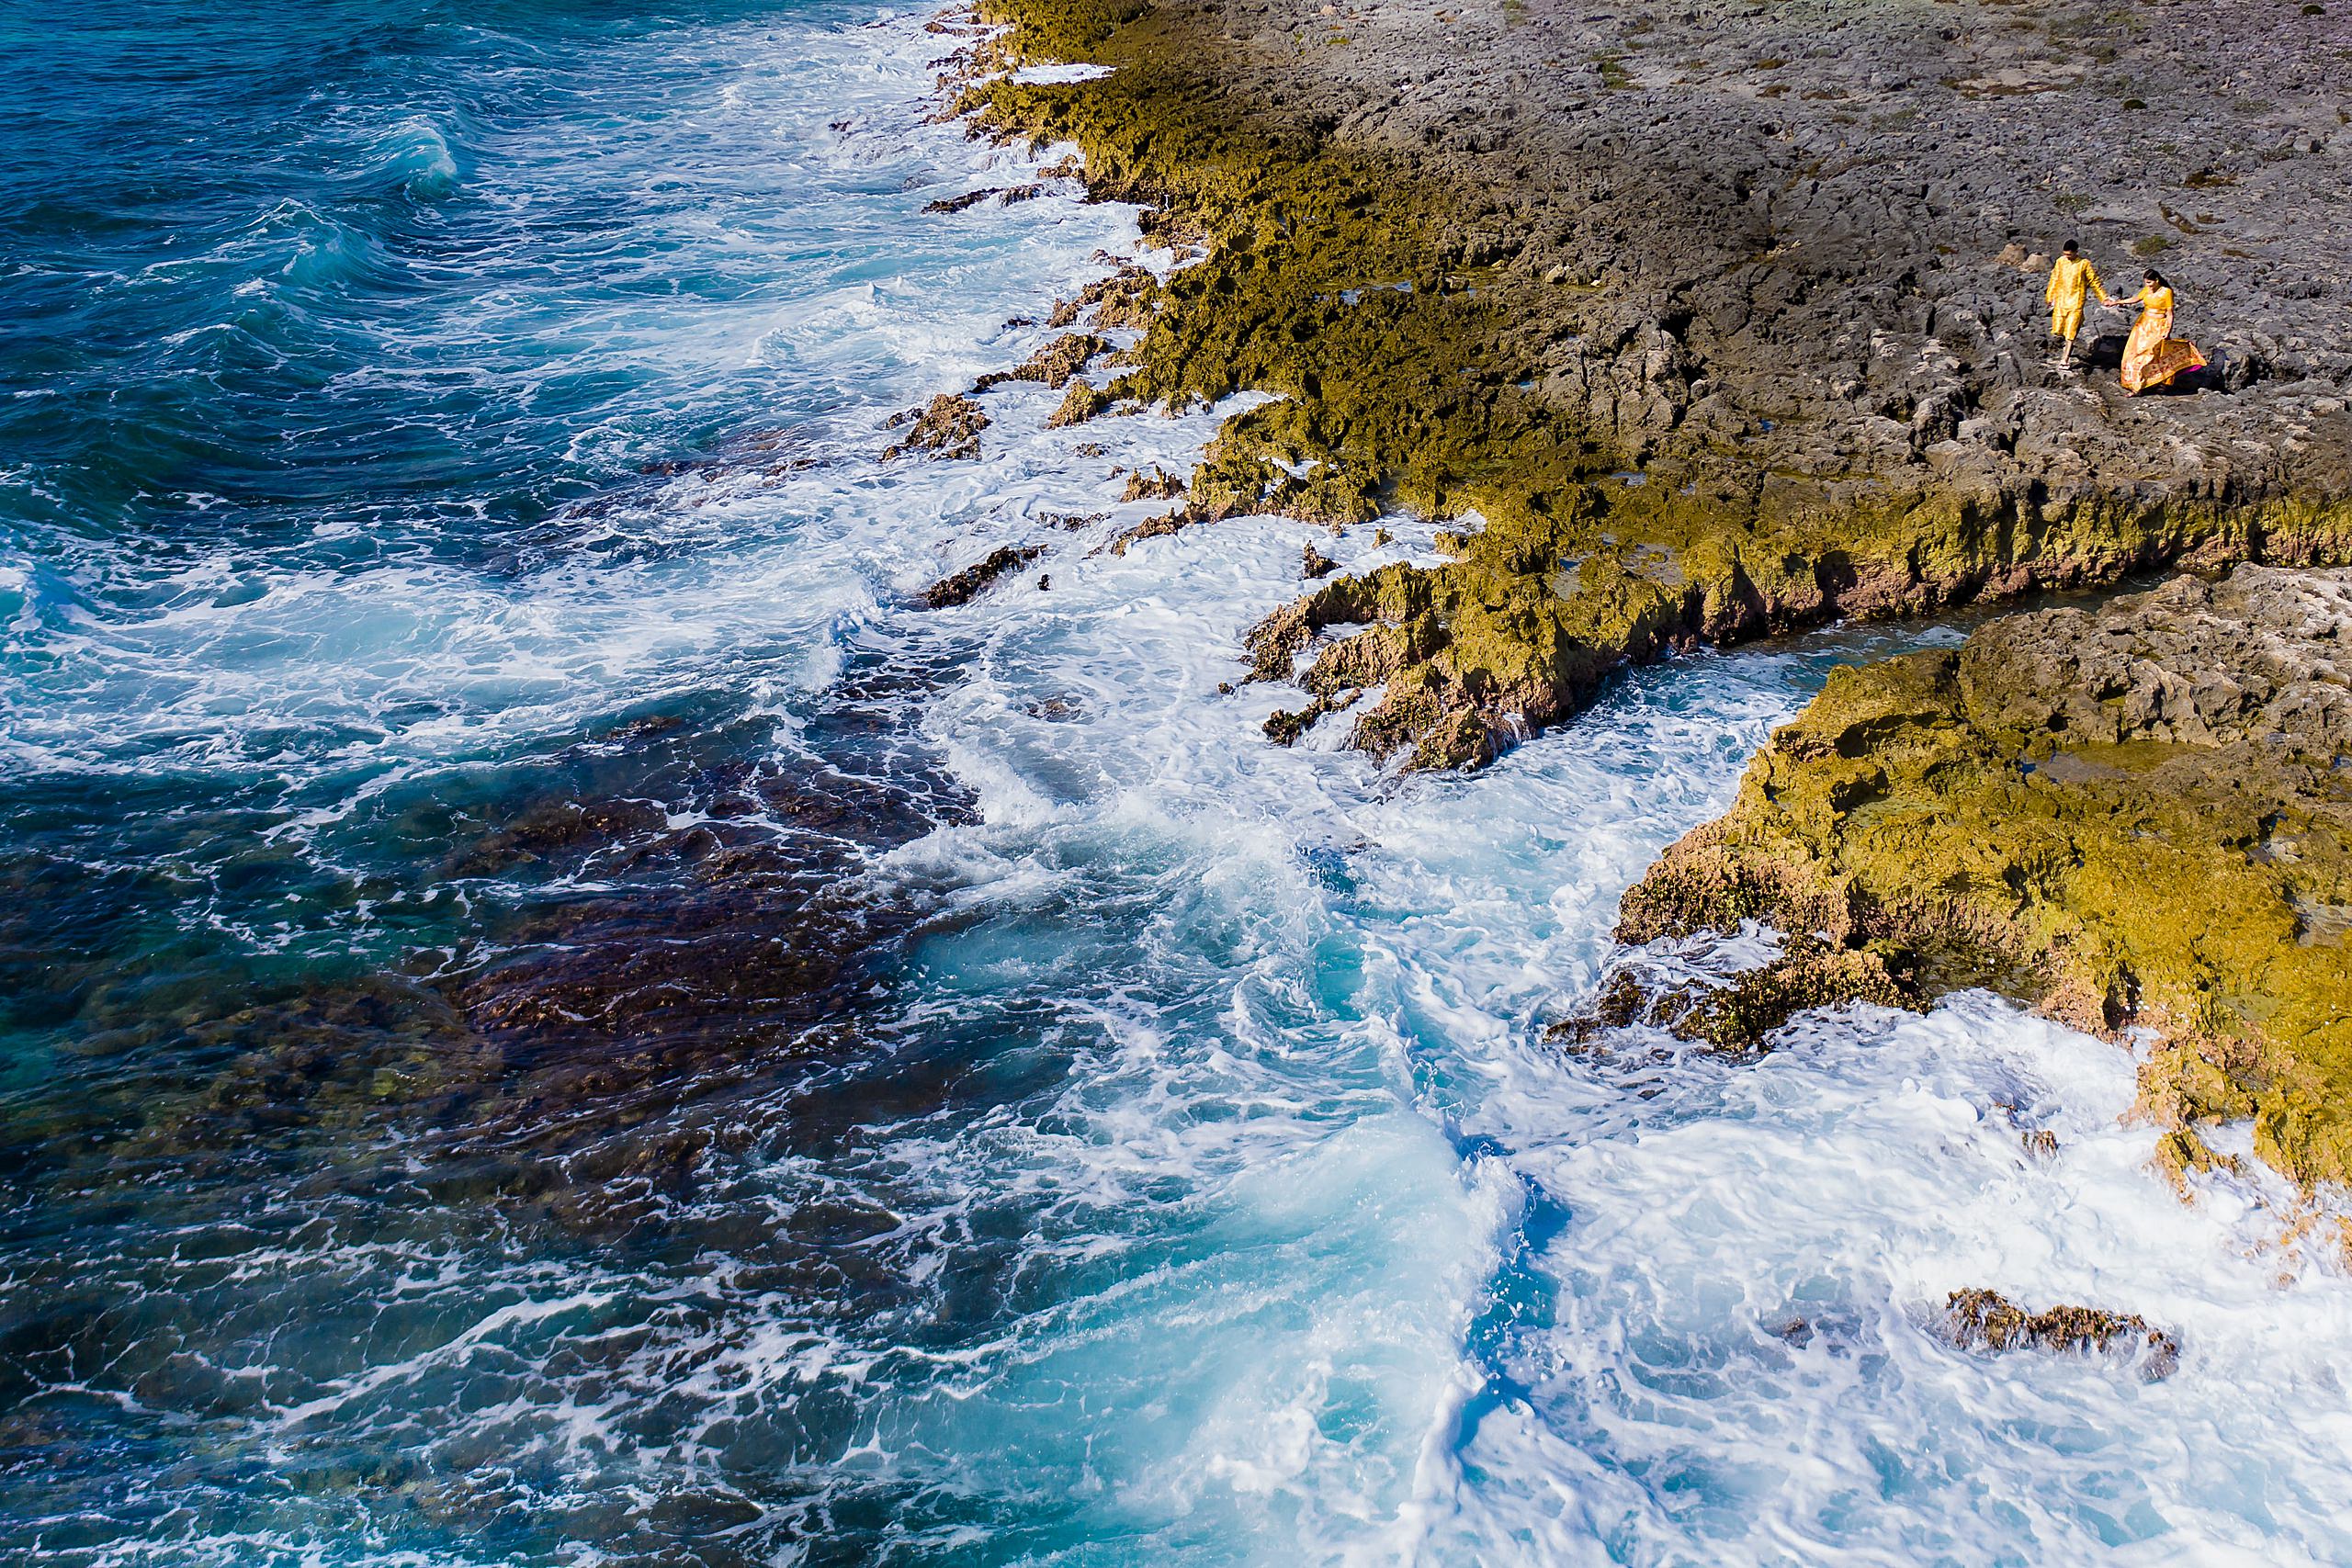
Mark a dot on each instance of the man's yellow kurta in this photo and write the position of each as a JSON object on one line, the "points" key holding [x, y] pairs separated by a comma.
{"points": [[2070, 281]]}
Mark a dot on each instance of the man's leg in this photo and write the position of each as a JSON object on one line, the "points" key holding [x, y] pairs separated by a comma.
{"points": [[2067, 323]]}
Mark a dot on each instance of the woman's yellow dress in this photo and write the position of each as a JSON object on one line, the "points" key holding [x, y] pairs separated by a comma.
{"points": [[2153, 356]]}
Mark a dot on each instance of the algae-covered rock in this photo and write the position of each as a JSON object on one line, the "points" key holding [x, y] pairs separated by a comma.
{"points": [[1986, 1318], [1081, 403], [2138, 817], [1739, 1017], [1054, 364], [947, 427]]}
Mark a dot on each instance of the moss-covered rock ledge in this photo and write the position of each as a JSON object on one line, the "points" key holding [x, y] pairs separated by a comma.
{"points": [[2133, 818]]}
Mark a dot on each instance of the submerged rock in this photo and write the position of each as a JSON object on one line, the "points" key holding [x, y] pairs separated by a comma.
{"points": [[2133, 817], [551, 827], [1985, 1319]]}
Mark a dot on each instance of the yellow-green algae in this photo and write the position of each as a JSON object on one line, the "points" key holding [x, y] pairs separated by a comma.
{"points": [[1740, 1019], [1958, 814], [1341, 276]]}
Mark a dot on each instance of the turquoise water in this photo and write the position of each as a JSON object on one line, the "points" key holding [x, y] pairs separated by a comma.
{"points": [[548, 1015]]}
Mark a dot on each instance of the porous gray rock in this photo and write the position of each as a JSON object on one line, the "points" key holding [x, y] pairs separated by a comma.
{"points": [[1811, 239]]}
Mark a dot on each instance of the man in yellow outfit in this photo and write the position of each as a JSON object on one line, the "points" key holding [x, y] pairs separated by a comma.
{"points": [[2071, 280]]}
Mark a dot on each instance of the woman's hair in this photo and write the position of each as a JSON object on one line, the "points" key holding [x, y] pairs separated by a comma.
{"points": [[2157, 278]]}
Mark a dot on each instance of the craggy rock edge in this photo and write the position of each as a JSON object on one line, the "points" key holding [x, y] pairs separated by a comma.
{"points": [[1986, 1318], [2137, 818]]}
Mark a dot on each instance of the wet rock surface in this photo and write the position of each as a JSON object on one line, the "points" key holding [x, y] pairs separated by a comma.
{"points": [[948, 426], [1008, 195], [1740, 1017], [1987, 1320], [2136, 817], [1054, 364], [1722, 320], [963, 587]]}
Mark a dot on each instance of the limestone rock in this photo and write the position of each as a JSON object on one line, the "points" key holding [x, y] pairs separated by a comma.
{"points": [[1784, 325], [2134, 816], [948, 426]]}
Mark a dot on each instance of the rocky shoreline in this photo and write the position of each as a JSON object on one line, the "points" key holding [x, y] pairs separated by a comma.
{"points": [[1702, 324], [1707, 323]]}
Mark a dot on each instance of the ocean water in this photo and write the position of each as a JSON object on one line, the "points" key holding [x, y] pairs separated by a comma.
{"points": [[549, 1014]]}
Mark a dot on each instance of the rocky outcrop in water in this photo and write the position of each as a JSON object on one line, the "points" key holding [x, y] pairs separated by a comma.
{"points": [[948, 426], [1739, 1017], [1054, 364], [963, 587], [2136, 817], [1989, 1320], [1154, 484], [969, 199]]}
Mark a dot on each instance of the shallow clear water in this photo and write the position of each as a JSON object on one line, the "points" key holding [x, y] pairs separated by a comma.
{"points": [[547, 1015]]}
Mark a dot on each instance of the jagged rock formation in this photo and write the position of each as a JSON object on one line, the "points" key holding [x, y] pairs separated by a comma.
{"points": [[2136, 817], [963, 587], [947, 427], [1740, 1017], [1986, 1318], [1054, 364]]}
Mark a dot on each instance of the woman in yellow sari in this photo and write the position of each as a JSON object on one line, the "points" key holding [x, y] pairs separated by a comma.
{"points": [[2153, 356]]}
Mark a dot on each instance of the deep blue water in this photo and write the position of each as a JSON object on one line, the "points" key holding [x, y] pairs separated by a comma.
{"points": [[549, 1015]]}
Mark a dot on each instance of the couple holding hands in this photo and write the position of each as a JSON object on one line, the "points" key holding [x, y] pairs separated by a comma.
{"points": [[2152, 356]]}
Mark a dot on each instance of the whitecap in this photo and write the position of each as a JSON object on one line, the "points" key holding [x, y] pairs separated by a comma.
{"points": [[1059, 73]]}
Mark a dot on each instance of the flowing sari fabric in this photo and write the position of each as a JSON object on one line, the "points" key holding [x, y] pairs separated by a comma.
{"points": [[2153, 356]]}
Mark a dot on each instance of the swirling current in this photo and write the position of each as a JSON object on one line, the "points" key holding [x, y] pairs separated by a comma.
{"points": [[550, 1014]]}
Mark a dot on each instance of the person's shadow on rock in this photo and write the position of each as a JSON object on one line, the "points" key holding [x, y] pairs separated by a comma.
{"points": [[2104, 353], [2214, 375], [2187, 384]]}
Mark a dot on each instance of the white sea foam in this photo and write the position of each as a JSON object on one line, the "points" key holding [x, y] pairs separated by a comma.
{"points": [[1047, 76]]}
